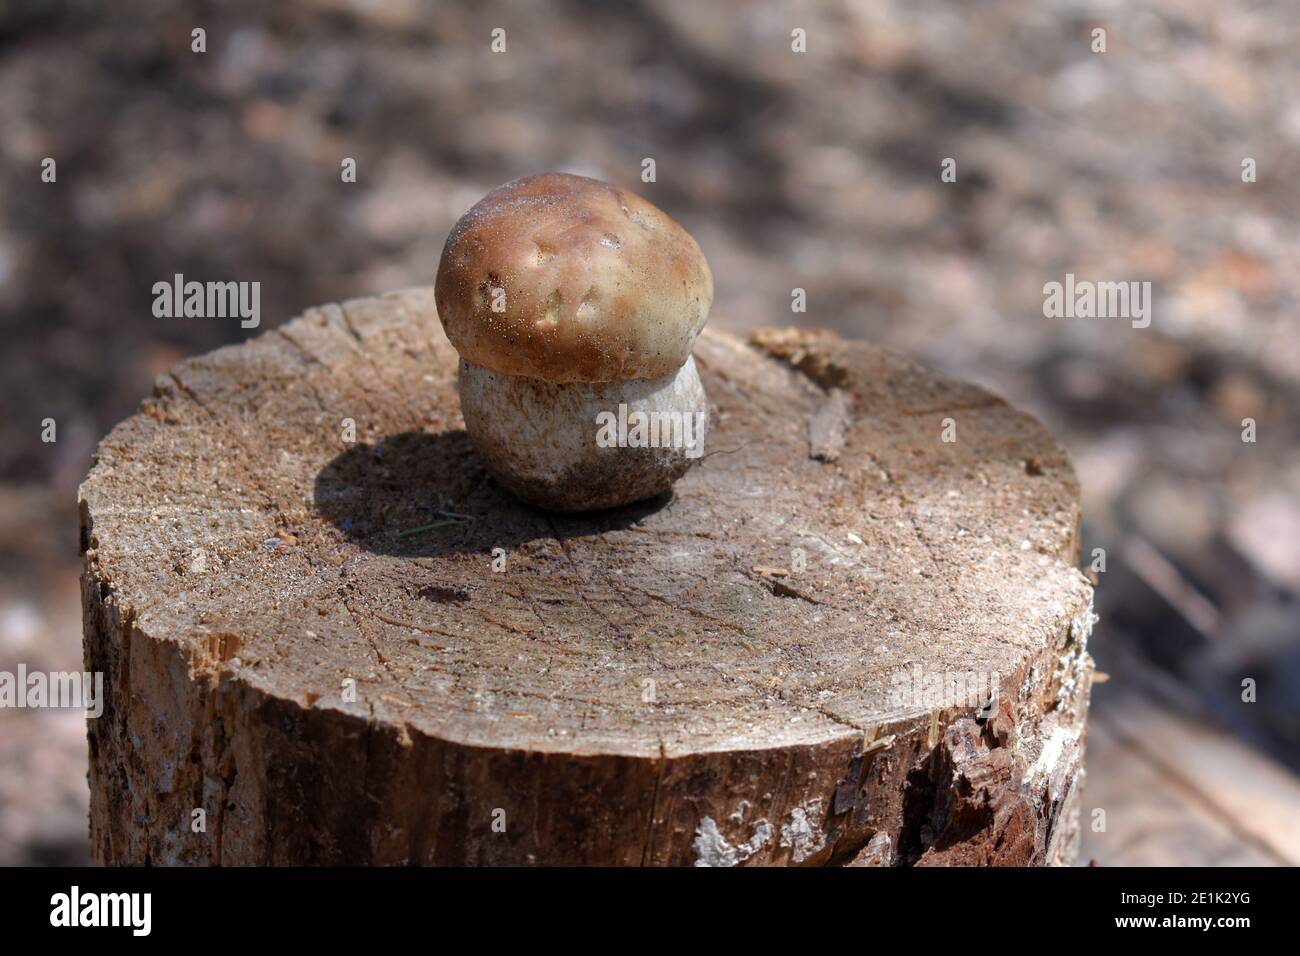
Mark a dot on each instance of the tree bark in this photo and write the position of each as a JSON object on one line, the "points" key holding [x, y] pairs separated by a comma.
{"points": [[307, 661]]}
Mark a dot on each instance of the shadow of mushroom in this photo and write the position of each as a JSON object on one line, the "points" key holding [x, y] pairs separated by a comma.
{"points": [[416, 494]]}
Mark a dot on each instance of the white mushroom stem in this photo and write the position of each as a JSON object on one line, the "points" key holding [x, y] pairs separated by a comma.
{"points": [[585, 445]]}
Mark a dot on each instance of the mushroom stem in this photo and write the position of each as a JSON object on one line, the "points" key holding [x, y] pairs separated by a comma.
{"points": [[584, 446]]}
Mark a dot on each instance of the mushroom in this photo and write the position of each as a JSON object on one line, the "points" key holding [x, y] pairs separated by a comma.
{"points": [[574, 306]]}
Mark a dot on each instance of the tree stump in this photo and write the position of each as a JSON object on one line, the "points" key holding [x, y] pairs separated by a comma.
{"points": [[308, 662]]}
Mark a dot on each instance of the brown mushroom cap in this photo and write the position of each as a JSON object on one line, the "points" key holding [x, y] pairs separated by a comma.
{"points": [[597, 284]]}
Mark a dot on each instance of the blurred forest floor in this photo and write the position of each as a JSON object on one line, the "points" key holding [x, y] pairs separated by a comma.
{"points": [[818, 171]]}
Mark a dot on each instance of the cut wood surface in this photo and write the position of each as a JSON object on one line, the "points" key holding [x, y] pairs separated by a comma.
{"points": [[300, 643]]}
